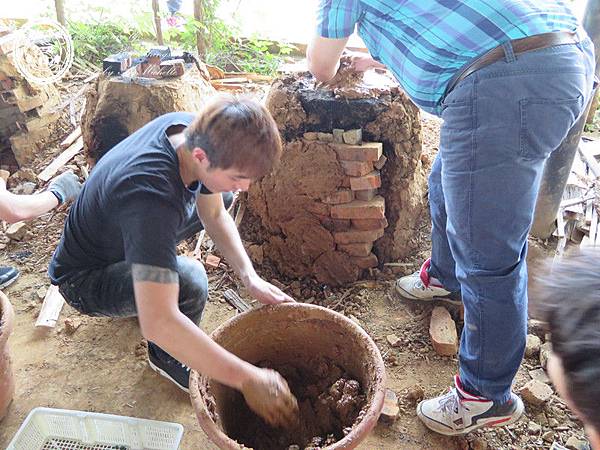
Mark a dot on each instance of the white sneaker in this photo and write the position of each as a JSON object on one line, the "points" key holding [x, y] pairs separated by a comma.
{"points": [[420, 286], [459, 412]]}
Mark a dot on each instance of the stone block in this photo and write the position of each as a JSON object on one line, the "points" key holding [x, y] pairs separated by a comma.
{"points": [[536, 393], [532, 346], [442, 331], [17, 231], [356, 236], [341, 196], [325, 137], [310, 136], [357, 249], [338, 135], [358, 209], [370, 181], [393, 340], [353, 137], [368, 151], [380, 162]]}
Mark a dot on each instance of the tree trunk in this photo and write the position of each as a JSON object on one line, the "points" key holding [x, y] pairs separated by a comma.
{"points": [[200, 35], [60, 12], [155, 11]]}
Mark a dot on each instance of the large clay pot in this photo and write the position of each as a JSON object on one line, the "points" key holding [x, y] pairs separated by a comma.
{"points": [[7, 381], [290, 334]]}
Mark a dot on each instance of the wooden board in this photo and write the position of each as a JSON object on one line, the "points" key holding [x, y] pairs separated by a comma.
{"points": [[61, 160]]}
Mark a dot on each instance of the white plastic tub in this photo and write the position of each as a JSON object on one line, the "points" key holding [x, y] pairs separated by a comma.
{"points": [[60, 429]]}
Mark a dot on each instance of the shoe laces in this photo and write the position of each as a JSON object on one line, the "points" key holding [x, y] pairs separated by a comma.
{"points": [[449, 404]]}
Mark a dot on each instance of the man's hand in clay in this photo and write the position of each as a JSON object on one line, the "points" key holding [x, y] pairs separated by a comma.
{"points": [[269, 396], [361, 62]]}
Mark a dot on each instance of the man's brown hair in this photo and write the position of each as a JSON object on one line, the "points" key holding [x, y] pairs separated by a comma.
{"points": [[236, 132]]}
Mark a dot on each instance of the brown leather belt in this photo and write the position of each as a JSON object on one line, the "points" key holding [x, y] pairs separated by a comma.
{"points": [[520, 46]]}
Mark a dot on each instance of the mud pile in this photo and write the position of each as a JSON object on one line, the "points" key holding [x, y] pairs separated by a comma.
{"points": [[288, 209], [330, 403]]}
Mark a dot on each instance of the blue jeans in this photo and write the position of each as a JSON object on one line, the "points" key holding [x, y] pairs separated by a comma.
{"points": [[499, 126], [108, 291]]}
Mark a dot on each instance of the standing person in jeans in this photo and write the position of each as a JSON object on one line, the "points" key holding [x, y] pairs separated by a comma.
{"points": [[509, 79], [173, 6], [15, 208], [117, 256]]}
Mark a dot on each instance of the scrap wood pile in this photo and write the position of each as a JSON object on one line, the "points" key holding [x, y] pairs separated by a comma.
{"points": [[235, 81], [579, 212]]}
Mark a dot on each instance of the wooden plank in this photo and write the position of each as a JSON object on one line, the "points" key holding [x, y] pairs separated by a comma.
{"points": [[588, 156], [236, 301], [61, 160], [230, 80], [53, 303], [71, 138], [591, 239]]}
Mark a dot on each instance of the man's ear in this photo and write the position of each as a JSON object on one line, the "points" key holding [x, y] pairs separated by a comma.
{"points": [[199, 154]]}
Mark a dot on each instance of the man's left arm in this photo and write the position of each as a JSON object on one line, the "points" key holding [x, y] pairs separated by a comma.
{"points": [[222, 230]]}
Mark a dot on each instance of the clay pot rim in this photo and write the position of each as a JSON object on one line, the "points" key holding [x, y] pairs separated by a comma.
{"points": [[349, 441], [7, 316]]}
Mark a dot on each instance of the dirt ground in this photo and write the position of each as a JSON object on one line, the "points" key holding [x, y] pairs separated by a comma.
{"points": [[101, 366]]}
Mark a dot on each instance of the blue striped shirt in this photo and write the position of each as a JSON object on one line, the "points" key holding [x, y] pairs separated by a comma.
{"points": [[425, 42]]}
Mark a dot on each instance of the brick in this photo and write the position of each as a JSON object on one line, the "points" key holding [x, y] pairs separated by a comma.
{"points": [[310, 136], [353, 137], [365, 194], [442, 331], [338, 135], [356, 168], [358, 209], [4, 174], [536, 393], [172, 68], [325, 137], [357, 249], [380, 162], [391, 410], [212, 261], [336, 224], [370, 181], [532, 346], [368, 151], [355, 236], [369, 224], [337, 197]]}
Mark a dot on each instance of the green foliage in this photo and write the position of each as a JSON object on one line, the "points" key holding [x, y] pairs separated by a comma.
{"points": [[93, 41]]}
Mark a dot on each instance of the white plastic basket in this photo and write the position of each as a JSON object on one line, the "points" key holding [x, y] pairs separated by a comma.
{"points": [[60, 429]]}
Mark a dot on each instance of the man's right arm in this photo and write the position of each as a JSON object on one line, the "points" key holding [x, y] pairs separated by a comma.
{"points": [[156, 294]]}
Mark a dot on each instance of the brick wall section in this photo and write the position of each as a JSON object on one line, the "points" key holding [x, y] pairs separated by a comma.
{"points": [[356, 213], [26, 111]]}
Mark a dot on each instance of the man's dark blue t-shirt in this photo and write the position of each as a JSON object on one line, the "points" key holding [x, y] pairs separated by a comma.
{"points": [[130, 208]]}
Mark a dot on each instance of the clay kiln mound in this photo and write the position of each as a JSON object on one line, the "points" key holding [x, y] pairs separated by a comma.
{"points": [[118, 106], [297, 208]]}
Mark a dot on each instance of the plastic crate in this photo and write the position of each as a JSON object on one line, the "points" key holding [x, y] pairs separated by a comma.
{"points": [[60, 429]]}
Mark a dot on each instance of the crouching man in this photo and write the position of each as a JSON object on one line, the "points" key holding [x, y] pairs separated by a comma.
{"points": [[117, 255]]}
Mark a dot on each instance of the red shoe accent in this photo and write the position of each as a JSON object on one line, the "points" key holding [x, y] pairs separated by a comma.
{"points": [[423, 273], [497, 422], [465, 394]]}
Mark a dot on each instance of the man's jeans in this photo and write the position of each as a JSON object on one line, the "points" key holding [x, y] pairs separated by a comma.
{"points": [[109, 291], [499, 126], [174, 6]]}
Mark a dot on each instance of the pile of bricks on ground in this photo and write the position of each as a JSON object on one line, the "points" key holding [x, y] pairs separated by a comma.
{"points": [[356, 212], [26, 110]]}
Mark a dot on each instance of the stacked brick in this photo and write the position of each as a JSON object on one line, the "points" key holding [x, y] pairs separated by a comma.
{"points": [[26, 110], [356, 213]]}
